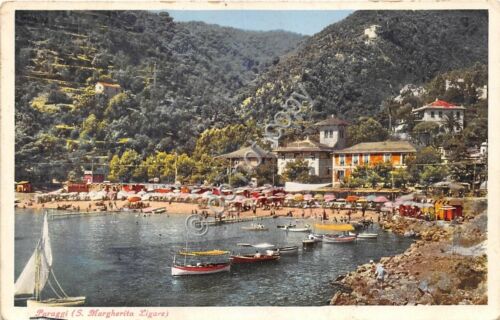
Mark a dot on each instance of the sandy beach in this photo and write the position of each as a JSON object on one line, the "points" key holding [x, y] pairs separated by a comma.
{"points": [[189, 208]]}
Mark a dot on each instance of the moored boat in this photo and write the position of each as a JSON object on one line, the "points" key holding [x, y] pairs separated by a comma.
{"points": [[338, 239], [316, 237], [306, 228], [253, 258], [36, 274], [289, 250], [255, 227], [367, 236], [200, 268]]}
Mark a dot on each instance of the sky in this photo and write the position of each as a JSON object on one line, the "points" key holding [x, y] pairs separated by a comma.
{"points": [[304, 22]]}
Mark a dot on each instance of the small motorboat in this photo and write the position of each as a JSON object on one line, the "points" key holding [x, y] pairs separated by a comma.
{"points": [[367, 236], [290, 250], [255, 227], [306, 228], [286, 226], [339, 239], [200, 268], [316, 237], [307, 243], [253, 258]]}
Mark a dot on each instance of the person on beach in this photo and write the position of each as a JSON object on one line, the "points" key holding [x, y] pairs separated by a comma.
{"points": [[380, 273], [303, 213]]}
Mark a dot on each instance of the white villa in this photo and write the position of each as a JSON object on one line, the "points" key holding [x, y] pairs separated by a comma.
{"points": [[332, 136], [438, 111]]}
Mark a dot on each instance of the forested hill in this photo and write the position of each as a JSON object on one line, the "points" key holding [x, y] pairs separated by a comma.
{"points": [[350, 67], [177, 79]]}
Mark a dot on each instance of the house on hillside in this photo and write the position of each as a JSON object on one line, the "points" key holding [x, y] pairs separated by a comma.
{"points": [[250, 155], [440, 111], [332, 136], [109, 89], [96, 176], [369, 153]]}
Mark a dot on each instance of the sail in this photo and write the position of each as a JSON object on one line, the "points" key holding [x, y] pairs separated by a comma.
{"points": [[25, 284], [45, 244]]}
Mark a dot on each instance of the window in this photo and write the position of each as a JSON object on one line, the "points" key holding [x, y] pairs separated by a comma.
{"points": [[432, 114], [341, 133], [283, 156], [296, 155], [342, 160], [313, 156], [458, 114], [331, 133], [355, 159], [366, 158], [440, 114], [328, 171], [387, 157]]}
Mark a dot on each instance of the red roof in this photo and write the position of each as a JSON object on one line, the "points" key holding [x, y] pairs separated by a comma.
{"points": [[442, 103]]}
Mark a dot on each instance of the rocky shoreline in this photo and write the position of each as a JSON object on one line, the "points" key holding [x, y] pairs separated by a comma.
{"points": [[447, 265]]}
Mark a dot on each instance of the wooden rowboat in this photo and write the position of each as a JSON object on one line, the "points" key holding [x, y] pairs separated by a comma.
{"points": [[253, 258], [200, 269], [290, 250], [339, 239]]}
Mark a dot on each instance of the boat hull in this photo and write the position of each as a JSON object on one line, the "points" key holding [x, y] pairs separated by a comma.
{"points": [[284, 251], [349, 239], [178, 270], [65, 302], [367, 236], [298, 229], [253, 258]]}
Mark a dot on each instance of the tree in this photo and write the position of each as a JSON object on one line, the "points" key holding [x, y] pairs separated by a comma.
{"points": [[423, 157], [401, 177], [366, 130], [425, 132], [430, 174], [297, 170], [452, 123]]}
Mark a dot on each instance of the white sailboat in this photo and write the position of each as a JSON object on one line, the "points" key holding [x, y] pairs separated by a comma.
{"points": [[36, 273]]}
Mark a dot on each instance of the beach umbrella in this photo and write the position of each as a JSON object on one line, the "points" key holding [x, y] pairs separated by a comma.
{"points": [[362, 199], [371, 198], [298, 197], [319, 197], [289, 196], [381, 199], [329, 197], [406, 197], [389, 204], [308, 197], [352, 198], [134, 199]]}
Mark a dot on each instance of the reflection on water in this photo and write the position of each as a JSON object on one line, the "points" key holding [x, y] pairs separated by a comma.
{"points": [[121, 259]]}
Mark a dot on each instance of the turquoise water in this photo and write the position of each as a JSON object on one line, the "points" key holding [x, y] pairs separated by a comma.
{"points": [[125, 260]]}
